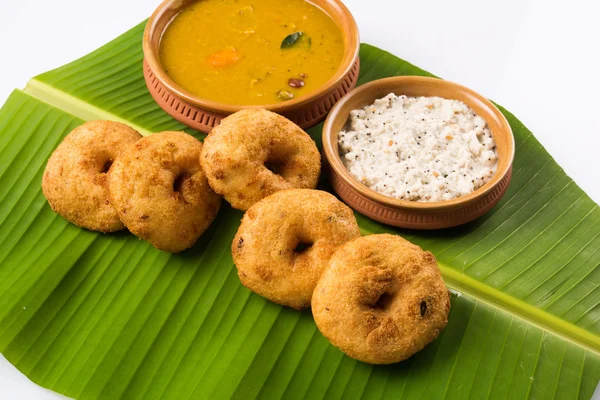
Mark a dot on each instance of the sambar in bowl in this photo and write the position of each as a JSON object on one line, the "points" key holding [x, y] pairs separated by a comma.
{"points": [[205, 59]]}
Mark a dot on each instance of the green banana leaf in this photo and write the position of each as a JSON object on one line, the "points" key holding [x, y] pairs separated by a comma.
{"points": [[107, 316]]}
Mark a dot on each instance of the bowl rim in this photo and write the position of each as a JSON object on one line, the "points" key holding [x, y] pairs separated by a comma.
{"points": [[153, 60], [335, 162]]}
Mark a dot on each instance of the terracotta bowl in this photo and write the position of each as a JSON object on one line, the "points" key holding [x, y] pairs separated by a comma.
{"points": [[202, 114], [412, 214]]}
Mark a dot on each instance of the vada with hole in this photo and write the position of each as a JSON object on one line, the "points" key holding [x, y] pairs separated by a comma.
{"points": [[254, 153], [284, 243], [381, 300], [161, 193], [75, 178]]}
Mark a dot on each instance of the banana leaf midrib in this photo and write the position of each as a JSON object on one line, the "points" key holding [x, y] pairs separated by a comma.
{"points": [[74, 105]]}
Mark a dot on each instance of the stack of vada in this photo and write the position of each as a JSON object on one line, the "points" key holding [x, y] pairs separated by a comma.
{"points": [[106, 177], [378, 298]]}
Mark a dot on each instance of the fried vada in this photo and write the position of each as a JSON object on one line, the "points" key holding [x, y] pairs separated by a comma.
{"points": [[74, 181], [381, 300], [254, 153], [160, 191], [285, 241]]}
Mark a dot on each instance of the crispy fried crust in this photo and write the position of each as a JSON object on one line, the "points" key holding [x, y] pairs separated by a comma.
{"points": [[160, 191], [285, 241], [254, 153], [381, 300], [74, 181]]}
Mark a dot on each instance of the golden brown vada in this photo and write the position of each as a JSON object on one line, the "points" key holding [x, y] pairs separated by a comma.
{"points": [[381, 300], [161, 193], [74, 180], [254, 153], [285, 241]]}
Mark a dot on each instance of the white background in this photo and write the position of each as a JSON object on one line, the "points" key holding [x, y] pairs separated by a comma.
{"points": [[538, 58]]}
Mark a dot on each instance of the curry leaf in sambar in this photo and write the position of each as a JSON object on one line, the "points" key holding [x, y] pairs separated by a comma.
{"points": [[296, 39]]}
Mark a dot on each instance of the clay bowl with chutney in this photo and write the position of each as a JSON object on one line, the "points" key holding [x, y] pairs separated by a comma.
{"points": [[417, 214], [203, 114]]}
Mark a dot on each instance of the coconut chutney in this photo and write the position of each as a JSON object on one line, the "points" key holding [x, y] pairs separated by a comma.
{"points": [[419, 148]]}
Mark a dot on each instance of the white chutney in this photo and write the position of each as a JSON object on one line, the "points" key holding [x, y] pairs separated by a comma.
{"points": [[419, 148]]}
